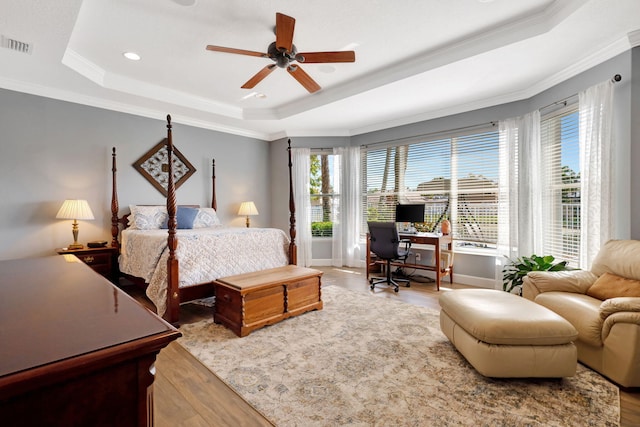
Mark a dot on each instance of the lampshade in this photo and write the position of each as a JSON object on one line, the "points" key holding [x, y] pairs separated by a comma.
{"points": [[75, 209], [247, 209]]}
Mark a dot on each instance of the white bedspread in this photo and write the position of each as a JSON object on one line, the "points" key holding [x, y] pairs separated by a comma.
{"points": [[204, 255]]}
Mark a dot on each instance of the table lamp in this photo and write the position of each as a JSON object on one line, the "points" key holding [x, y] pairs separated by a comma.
{"points": [[75, 210], [247, 209]]}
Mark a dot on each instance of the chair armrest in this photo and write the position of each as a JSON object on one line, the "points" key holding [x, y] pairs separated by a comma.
{"points": [[619, 311], [576, 281], [620, 304]]}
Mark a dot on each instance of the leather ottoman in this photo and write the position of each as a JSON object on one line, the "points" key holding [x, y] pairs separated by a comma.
{"points": [[506, 336]]}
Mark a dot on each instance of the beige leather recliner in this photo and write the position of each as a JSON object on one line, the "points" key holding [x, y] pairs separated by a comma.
{"points": [[608, 324]]}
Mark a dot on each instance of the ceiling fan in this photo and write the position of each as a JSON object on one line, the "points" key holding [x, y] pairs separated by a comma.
{"points": [[283, 52]]}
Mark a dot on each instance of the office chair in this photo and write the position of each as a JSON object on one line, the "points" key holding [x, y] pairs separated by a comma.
{"points": [[385, 243]]}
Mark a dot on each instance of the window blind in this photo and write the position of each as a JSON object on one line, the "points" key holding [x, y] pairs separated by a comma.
{"points": [[323, 194], [475, 175], [561, 174], [456, 177]]}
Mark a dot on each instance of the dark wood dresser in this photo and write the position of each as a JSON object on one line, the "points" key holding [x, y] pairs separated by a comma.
{"points": [[75, 350]]}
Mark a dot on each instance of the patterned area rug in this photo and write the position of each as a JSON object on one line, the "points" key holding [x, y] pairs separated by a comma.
{"points": [[369, 361]]}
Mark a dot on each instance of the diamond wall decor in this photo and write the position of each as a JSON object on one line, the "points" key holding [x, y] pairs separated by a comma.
{"points": [[153, 165]]}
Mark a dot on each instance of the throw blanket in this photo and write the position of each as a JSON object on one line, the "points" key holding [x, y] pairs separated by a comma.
{"points": [[204, 255]]}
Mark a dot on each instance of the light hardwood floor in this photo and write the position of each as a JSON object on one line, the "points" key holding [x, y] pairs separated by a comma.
{"points": [[188, 394]]}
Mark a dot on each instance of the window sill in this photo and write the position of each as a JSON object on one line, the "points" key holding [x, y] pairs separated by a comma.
{"points": [[476, 252]]}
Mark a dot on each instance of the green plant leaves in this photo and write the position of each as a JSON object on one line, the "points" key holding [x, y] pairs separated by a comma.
{"points": [[517, 269]]}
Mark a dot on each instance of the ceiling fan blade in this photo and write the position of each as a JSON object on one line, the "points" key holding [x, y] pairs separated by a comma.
{"points": [[238, 51], [253, 81], [321, 57], [303, 78], [284, 32]]}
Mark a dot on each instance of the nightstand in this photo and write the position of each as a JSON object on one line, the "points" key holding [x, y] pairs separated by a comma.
{"points": [[102, 260]]}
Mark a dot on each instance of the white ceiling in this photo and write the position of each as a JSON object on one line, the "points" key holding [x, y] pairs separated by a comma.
{"points": [[415, 59]]}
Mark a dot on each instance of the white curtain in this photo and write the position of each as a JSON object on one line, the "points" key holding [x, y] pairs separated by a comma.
{"points": [[346, 212], [301, 159], [596, 115], [520, 187]]}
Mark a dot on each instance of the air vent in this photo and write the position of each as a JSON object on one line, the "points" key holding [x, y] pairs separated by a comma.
{"points": [[17, 45]]}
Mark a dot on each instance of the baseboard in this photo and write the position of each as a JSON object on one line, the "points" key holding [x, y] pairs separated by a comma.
{"points": [[327, 263], [480, 282]]}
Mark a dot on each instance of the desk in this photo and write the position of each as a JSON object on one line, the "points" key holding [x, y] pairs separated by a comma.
{"points": [[76, 350], [435, 239]]}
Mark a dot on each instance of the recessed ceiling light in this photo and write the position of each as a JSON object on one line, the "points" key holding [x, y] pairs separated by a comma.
{"points": [[255, 95], [185, 2], [132, 56]]}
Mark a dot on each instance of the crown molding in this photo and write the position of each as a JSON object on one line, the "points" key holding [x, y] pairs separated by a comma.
{"points": [[619, 46], [500, 35], [113, 81], [77, 98]]}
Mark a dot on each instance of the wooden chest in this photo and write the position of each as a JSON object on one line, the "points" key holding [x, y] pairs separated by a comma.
{"points": [[250, 301]]}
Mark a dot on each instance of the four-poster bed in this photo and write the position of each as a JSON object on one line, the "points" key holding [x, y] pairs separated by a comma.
{"points": [[224, 251]]}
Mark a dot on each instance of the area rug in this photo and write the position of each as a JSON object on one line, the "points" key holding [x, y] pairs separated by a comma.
{"points": [[369, 361]]}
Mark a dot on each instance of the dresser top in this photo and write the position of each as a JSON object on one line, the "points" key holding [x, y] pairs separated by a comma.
{"points": [[56, 308]]}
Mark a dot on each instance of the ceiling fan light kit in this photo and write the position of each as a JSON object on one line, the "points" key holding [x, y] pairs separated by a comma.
{"points": [[283, 52]]}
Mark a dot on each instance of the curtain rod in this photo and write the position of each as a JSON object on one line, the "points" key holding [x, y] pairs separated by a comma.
{"points": [[616, 78], [430, 135]]}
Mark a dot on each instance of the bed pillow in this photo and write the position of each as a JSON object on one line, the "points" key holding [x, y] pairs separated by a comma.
{"points": [[185, 217], [611, 286], [147, 217], [207, 217]]}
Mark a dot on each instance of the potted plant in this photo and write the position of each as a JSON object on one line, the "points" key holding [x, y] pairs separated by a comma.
{"points": [[514, 272]]}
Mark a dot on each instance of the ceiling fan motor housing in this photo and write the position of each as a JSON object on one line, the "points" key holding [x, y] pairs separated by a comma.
{"points": [[281, 57]]}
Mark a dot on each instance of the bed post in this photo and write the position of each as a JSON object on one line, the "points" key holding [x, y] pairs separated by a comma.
{"points": [[114, 202], [293, 251], [173, 293], [214, 204]]}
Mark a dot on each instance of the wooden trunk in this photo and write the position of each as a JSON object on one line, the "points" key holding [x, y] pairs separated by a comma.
{"points": [[250, 301]]}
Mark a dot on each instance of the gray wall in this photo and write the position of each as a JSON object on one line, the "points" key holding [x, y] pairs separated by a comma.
{"points": [[53, 150], [634, 149], [626, 147]]}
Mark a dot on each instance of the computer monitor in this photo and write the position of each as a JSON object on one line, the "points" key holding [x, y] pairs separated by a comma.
{"points": [[410, 213]]}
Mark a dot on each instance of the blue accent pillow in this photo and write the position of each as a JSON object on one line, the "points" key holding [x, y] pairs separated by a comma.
{"points": [[185, 217]]}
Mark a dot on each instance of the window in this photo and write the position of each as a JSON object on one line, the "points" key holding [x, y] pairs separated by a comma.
{"points": [[560, 147], [456, 177], [323, 199]]}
